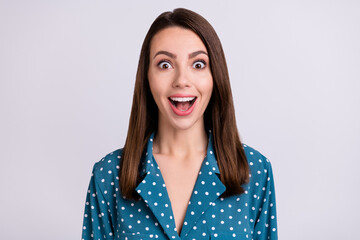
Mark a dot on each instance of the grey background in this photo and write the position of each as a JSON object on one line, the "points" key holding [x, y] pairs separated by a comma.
{"points": [[67, 71]]}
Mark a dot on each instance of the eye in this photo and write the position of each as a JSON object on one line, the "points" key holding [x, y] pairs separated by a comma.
{"points": [[164, 65], [199, 64]]}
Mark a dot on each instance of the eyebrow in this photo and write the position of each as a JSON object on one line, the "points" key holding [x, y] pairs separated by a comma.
{"points": [[194, 54], [191, 55]]}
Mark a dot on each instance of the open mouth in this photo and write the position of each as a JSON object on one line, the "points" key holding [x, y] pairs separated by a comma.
{"points": [[182, 103]]}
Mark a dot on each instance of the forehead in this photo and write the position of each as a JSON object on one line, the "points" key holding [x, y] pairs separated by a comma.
{"points": [[175, 39]]}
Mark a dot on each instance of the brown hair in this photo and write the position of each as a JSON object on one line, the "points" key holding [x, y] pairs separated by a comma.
{"points": [[219, 115]]}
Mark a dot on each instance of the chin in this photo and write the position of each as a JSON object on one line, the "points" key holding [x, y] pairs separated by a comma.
{"points": [[184, 124]]}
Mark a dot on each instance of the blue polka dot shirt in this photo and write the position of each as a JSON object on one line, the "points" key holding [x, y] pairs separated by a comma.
{"points": [[251, 215]]}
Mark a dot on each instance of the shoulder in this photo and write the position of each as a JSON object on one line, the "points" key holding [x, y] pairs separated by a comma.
{"points": [[258, 163], [108, 165]]}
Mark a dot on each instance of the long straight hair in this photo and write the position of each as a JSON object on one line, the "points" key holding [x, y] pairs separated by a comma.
{"points": [[219, 115]]}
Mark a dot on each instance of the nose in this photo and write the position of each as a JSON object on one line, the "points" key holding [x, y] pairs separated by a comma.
{"points": [[181, 78]]}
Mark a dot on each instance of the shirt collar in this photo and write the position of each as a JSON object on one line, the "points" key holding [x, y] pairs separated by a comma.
{"points": [[149, 164]]}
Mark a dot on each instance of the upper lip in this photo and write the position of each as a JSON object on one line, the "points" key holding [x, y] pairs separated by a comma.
{"points": [[182, 95]]}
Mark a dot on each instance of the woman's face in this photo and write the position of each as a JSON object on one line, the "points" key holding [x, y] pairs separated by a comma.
{"points": [[179, 77]]}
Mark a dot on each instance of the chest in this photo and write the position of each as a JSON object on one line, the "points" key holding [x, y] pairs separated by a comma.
{"points": [[168, 218], [179, 180], [227, 219]]}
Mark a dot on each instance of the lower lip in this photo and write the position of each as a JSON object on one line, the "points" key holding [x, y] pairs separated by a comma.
{"points": [[181, 113]]}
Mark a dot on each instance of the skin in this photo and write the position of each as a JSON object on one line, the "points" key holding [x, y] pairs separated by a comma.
{"points": [[179, 64]]}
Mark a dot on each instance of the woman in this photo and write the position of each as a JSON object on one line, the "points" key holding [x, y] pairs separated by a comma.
{"points": [[183, 172]]}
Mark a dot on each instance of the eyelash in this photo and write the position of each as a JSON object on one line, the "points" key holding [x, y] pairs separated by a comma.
{"points": [[167, 61], [200, 60], [163, 61]]}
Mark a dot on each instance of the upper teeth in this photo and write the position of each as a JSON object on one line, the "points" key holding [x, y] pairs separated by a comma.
{"points": [[182, 99]]}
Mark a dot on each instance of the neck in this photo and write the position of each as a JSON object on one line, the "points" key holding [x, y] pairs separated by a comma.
{"points": [[180, 143]]}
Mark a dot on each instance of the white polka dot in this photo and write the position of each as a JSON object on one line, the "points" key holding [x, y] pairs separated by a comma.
{"points": [[130, 210]]}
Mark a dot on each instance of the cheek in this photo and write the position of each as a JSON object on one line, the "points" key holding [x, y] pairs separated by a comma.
{"points": [[152, 84], [159, 84], [157, 90], [206, 86], [154, 91], [211, 85]]}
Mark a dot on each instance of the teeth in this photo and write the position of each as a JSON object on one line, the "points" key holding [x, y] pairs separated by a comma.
{"points": [[182, 99]]}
